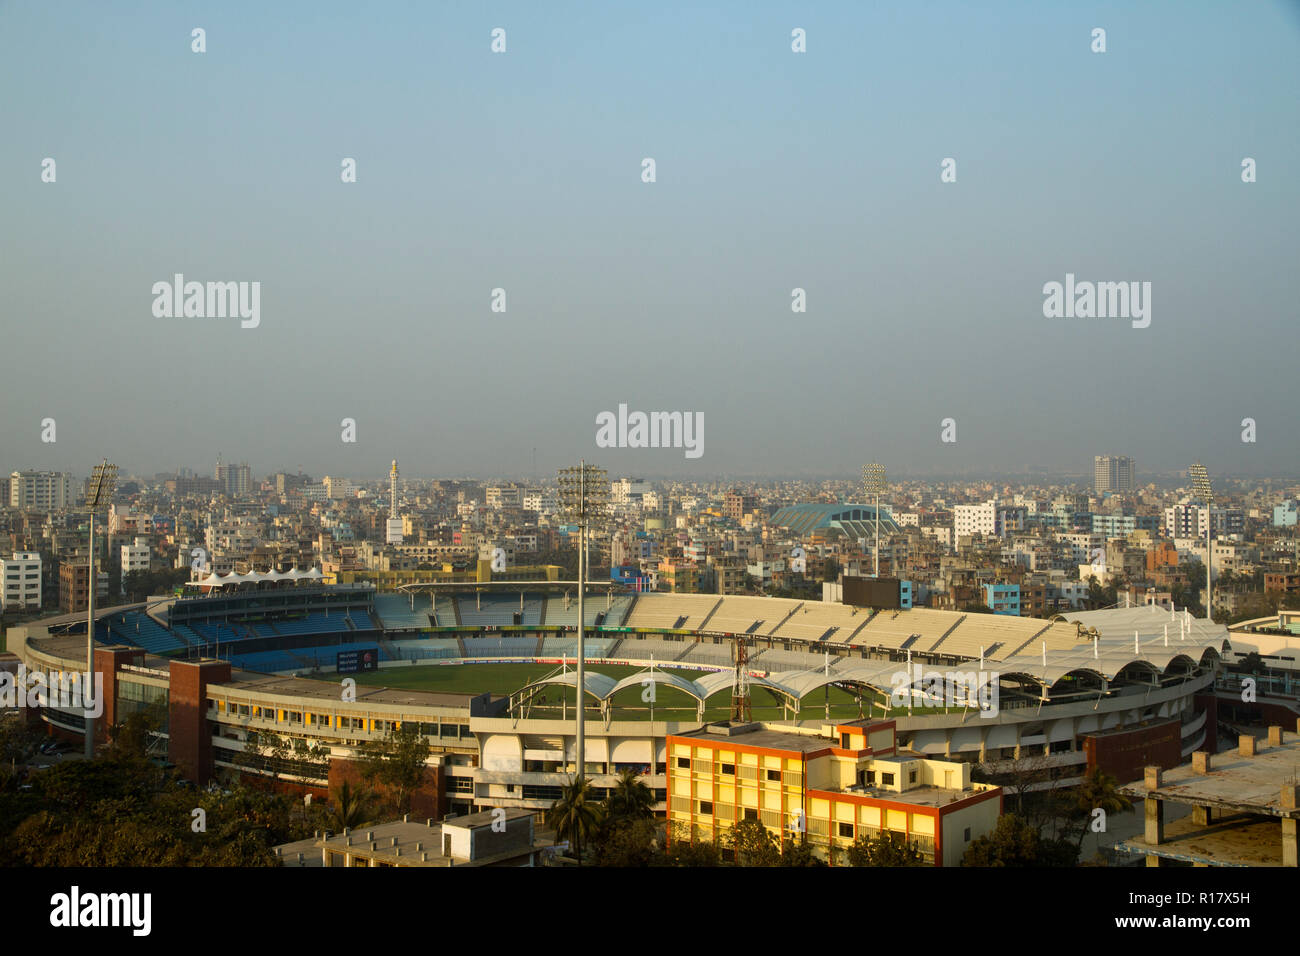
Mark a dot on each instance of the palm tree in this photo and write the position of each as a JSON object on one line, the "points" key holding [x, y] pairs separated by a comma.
{"points": [[351, 807], [1098, 791], [630, 798], [576, 814]]}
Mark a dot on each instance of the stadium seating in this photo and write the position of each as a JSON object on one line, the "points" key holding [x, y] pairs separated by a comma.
{"points": [[142, 631], [395, 613], [665, 612], [499, 609]]}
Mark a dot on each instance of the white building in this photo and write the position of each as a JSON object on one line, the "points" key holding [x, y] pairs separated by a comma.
{"points": [[135, 556], [543, 502], [22, 580], [975, 519], [1188, 521], [41, 490], [628, 491], [505, 496]]}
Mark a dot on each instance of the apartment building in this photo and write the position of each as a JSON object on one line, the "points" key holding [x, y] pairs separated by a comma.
{"points": [[21, 579]]}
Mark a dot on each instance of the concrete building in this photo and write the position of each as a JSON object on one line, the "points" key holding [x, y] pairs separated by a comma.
{"points": [[1244, 806], [498, 837], [1114, 473], [73, 590], [21, 579], [135, 558], [831, 783], [40, 490]]}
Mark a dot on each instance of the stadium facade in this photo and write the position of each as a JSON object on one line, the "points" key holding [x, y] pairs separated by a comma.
{"points": [[1116, 689]]}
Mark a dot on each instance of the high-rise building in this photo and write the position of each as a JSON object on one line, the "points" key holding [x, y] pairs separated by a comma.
{"points": [[1114, 473], [73, 590], [235, 480], [44, 490], [736, 505], [21, 580]]}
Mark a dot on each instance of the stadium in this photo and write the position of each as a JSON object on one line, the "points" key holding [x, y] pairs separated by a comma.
{"points": [[487, 673]]}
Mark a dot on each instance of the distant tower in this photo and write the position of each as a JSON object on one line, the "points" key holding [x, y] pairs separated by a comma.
{"points": [[394, 521]]}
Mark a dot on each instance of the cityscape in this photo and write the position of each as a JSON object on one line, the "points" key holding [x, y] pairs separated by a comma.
{"points": [[358, 509]]}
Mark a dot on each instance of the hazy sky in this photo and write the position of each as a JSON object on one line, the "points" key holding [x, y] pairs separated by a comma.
{"points": [[775, 170]]}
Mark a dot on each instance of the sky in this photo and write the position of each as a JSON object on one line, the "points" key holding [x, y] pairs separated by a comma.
{"points": [[774, 170]]}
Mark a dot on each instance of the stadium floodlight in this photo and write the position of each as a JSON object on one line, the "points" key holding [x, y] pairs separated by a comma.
{"points": [[873, 483], [103, 480], [584, 501], [1201, 489]]}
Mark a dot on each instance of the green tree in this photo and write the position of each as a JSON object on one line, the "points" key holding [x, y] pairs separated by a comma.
{"points": [[683, 852], [397, 763], [799, 853], [628, 842], [351, 807], [630, 797], [576, 815], [885, 849], [1016, 843], [1098, 791], [753, 845]]}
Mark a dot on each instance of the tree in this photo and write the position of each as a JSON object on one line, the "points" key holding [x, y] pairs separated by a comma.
{"points": [[576, 815], [683, 852], [396, 763], [630, 798], [800, 854], [1016, 843], [753, 845], [263, 751], [351, 807], [1098, 791], [628, 842], [885, 849]]}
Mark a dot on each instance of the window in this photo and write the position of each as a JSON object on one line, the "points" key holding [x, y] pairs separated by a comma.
{"points": [[846, 830], [729, 769], [911, 777], [887, 779], [870, 777], [774, 776], [706, 808], [751, 813], [967, 835], [683, 763]]}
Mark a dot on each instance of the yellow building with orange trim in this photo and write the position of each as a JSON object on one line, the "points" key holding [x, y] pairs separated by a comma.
{"points": [[835, 783]]}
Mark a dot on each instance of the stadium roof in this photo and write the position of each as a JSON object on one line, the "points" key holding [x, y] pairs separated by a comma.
{"points": [[256, 577], [856, 521]]}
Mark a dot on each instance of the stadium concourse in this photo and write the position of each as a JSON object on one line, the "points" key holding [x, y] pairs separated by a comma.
{"points": [[1116, 689]]}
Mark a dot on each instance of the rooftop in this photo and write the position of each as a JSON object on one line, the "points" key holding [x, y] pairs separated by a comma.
{"points": [[1234, 783]]}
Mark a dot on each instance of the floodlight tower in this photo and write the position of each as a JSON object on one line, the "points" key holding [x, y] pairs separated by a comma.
{"points": [[103, 479], [740, 709], [1201, 489], [584, 500], [873, 483]]}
